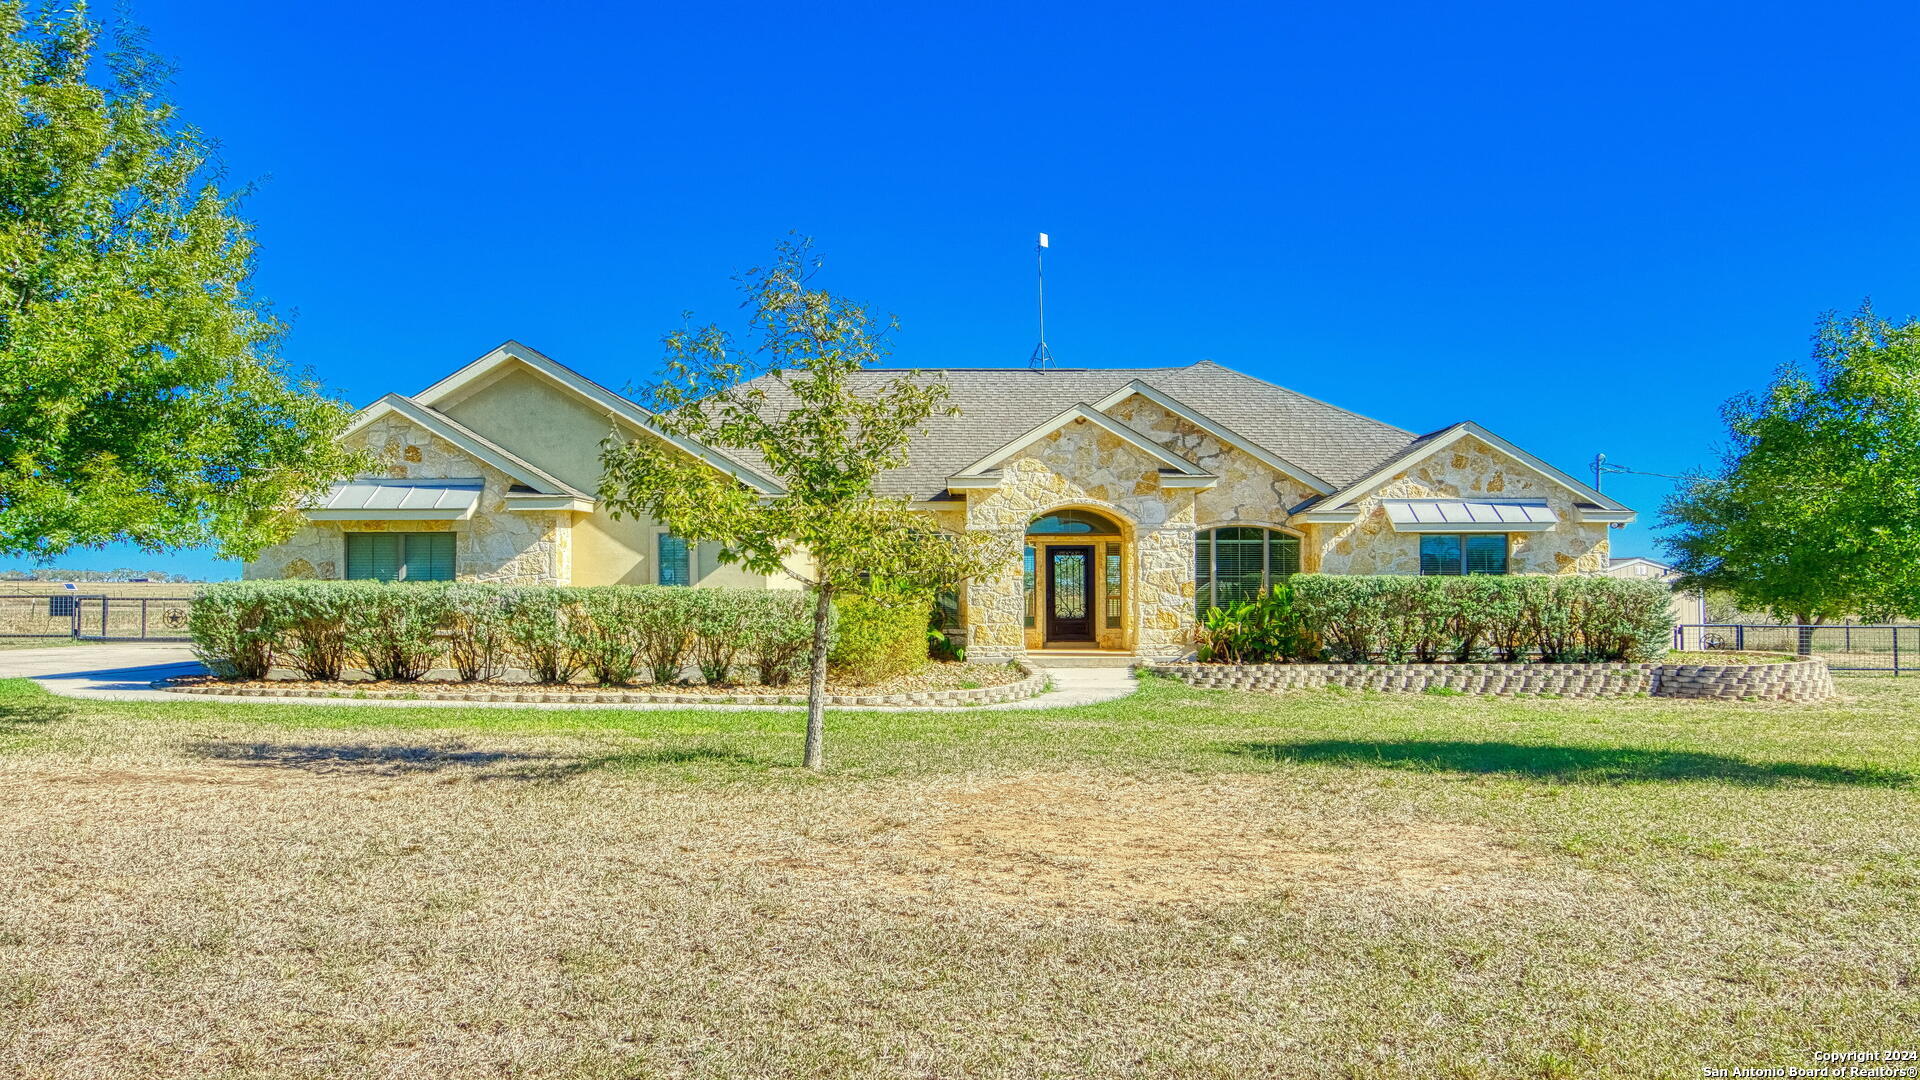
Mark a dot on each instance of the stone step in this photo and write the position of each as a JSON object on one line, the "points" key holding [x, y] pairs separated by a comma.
{"points": [[1080, 658]]}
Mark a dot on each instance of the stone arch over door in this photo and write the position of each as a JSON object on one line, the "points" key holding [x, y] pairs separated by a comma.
{"points": [[1054, 538], [1083, 466]]}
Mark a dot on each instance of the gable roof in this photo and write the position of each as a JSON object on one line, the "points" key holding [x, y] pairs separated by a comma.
{"points": [[469, 442], [1593, 505], [1219, 431], [998, 404], [512, 352], [1180, 467]]}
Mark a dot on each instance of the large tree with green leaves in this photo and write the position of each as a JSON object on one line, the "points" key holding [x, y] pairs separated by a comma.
{"points": [[141, 397], [1814, 513], [792, 402]]}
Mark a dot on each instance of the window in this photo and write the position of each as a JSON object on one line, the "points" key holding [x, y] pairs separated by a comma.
{"points": [[1235, 564], [1071, 522], [398, 556], [1029, 587], [1112, 559], [946, 609], [1470, 553], [676, 564]]}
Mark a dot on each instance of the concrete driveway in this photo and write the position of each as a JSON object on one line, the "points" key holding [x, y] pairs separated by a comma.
{"points": [[109, 666]]}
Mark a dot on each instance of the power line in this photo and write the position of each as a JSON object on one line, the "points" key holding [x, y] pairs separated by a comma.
{"points": [[1603, 468]]}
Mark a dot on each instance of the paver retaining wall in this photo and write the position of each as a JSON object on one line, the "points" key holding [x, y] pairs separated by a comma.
{"points": [[1798, 680]]}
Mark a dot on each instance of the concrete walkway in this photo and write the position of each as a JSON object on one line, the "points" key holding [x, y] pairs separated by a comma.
{"points": [[124, 672]]}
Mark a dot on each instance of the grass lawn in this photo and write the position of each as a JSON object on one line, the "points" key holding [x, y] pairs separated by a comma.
{"points": [[1183, 883]]}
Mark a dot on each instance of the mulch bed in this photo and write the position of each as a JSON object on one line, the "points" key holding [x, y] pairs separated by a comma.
{"points": [[934, 677]]}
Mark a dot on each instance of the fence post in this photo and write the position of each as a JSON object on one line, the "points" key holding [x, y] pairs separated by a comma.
{"points": [[1896, 652], [1740, 638], [143, 615]]}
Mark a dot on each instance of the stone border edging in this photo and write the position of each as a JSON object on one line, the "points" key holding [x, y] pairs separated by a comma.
{"points": [[1033, 685], [1795, 680]]}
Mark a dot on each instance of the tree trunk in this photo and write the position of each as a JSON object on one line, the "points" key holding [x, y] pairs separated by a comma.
{"points": [[1804, 646], [817, 680]]}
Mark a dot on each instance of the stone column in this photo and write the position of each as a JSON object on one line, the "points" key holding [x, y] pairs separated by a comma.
{"points": [[996, 609], [1163, 603]]}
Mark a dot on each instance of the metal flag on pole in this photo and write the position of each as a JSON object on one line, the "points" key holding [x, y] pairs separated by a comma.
{"points": [[1042, 358]]}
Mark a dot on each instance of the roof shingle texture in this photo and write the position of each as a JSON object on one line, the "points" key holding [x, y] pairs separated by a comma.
{"points": [[998, 404]]}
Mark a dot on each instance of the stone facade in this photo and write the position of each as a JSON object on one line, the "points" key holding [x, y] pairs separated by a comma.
{"points": [[1083, 466], [509, 547], [1467, 469], [1801, 680], [1250, 492]]}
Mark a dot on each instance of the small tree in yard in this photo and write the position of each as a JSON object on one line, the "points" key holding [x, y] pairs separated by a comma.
{"points": [[1815, 511], [140, 399], [824, 441]]}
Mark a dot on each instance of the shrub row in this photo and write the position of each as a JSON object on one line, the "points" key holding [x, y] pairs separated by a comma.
{"points": [[614, 633], [1361, 619]]}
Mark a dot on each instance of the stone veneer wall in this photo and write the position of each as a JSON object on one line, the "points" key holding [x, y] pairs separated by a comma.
{"points": [[1084, 466], [1249, 492], [498, 545], [1800, 680], [1467, 469]]}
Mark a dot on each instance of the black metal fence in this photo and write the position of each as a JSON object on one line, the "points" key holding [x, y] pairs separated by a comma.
{"points": [[1887, 649], [93, 617]]}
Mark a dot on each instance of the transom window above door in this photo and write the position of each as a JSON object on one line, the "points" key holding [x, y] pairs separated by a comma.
{"points": [[1073, 523]]}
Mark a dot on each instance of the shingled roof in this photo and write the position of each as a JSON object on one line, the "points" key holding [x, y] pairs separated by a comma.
{"points": [[998, 404]]}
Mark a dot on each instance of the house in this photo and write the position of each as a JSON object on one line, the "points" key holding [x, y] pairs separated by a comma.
{"points": [[1135, 497], [1641, 568], [1688, 607]]}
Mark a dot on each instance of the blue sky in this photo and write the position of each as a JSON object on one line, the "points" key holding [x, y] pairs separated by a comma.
{"points": [[1584, 226]]}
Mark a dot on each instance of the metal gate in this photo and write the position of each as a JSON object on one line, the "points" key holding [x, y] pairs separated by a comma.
{"points": [[1888, 649], [93, 617]]}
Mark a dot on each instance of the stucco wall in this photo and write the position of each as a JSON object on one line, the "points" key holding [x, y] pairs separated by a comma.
{"points": [[1466, 469], [1084, 466], [509, 547], [554, 428]]}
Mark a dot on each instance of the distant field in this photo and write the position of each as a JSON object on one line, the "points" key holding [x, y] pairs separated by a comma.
{"points": [[45, 588]]}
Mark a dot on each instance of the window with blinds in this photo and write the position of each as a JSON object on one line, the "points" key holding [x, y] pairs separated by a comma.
{"points": [[399, 556], [1238, 563], [1470, 553], [675, 561]]}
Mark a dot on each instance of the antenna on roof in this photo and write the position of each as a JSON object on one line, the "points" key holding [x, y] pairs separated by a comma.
{"points": [[1042, 358]]}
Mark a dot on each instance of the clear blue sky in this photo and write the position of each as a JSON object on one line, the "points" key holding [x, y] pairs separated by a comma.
{"points": [[1583, 226]]}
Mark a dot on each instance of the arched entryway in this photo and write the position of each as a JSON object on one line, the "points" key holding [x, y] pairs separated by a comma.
{"points": [[1076, 572]]}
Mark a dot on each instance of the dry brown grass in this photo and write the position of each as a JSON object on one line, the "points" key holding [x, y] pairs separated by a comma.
{"points": [[200, 891]]}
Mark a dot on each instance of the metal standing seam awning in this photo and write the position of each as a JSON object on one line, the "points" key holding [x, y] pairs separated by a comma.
{"points": [[1469, 515], [400, 500]]}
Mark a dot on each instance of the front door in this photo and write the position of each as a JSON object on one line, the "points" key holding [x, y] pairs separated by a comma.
{"points": [[1070, 593]]}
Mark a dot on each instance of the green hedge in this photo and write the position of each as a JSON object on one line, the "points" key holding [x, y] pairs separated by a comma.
{"points": [[879, 637], [1393, 619], [401, 631]]}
